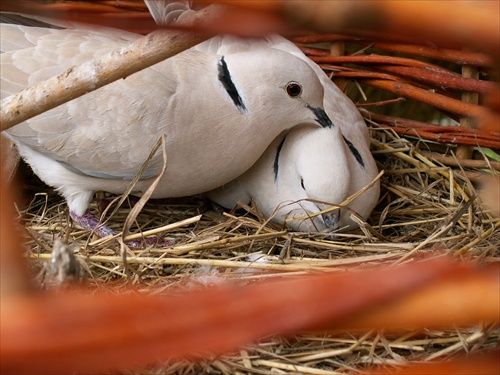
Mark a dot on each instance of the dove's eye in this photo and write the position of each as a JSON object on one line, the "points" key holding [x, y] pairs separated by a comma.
{"points": [[302, 183], [293, 89]]}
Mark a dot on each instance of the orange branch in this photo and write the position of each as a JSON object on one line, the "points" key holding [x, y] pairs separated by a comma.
{"points": [[447, 80], [441, 134], [71, 331], [457, 56], [375, 59], [439, 101]]}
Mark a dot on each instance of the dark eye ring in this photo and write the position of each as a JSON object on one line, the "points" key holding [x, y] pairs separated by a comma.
{"points": [[293, 89]]}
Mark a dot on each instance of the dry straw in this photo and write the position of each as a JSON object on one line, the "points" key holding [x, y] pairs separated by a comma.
{"points": [[425, 207]]}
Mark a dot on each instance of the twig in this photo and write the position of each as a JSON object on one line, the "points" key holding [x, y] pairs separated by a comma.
{"points": [[151, 232], [479, 239], [184, 249], [468, 71], [467, 23], [91, 75], [454, 162], [457, 56], [374, 59], [442, 134], [441, 79], [436, 100]]}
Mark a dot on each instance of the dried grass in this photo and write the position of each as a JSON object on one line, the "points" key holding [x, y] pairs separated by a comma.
{"points": [[425, 207]]}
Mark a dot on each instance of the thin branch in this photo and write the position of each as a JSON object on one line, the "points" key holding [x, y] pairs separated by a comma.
{"points": [[439, 101], [91, 75]]}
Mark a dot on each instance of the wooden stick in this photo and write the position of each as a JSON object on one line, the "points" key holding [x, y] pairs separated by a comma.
{"points": [[442, 134], [436, 100], [468, 24], [465, 152], [101, 332], [454, 162], [440, 79], [122, 62], [457, 56], [377, 59], [131, 16]]}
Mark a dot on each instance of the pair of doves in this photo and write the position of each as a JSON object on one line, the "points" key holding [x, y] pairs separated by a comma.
{"points": [[245, 119]]}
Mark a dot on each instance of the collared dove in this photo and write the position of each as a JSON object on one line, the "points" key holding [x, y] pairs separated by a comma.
{"points": [[308, 165], [303, 172], [220, 104]]}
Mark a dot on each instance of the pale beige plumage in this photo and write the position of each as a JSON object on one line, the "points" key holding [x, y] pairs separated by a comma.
{"points": [[308, 168], [99, 141]]}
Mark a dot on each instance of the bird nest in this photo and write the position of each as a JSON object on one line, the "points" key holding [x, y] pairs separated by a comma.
{"points": [[430, 204]]}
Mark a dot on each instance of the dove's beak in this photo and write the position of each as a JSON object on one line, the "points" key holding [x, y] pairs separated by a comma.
{"points": [[321, 117], [331, 219]]}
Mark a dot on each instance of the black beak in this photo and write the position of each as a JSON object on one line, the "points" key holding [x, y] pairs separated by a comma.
{"points": [[321, 117], [331, 219]]}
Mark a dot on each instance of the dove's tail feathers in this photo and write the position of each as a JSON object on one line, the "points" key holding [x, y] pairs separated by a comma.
{"points": [[24, 20], [167, 12], [66, 182]]}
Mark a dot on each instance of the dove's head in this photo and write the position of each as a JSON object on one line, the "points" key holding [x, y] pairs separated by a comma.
{"points": [[312, 167], [275, 87]]}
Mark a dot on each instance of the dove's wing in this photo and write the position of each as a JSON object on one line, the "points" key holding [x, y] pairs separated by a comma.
{"points": [[89, 133], [166, 12]]}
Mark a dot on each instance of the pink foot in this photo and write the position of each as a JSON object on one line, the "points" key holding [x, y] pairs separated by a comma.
{"points": [[90, 222]]}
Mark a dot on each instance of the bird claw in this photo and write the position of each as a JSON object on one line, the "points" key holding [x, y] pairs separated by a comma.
{"points": [[90, 222]]}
